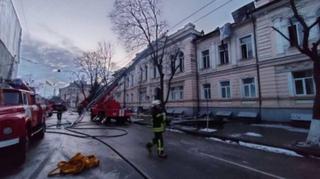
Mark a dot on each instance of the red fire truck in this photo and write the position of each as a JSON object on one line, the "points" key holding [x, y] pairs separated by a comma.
{"points": [[21, 118], [108, 109], [105, 108]]}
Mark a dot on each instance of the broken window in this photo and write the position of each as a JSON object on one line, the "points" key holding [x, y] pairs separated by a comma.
{"points": [[246, 47], [224, 56]]}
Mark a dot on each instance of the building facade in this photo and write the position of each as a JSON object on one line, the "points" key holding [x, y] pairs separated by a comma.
{"points": [[10, 40], [244, 69], [74, 93], [287, 85]]}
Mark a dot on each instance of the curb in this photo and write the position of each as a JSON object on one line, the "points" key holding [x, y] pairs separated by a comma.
{"points": [[303, 152]]}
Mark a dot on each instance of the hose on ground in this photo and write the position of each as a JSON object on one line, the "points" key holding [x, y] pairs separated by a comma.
{"points": [[73, 131]]}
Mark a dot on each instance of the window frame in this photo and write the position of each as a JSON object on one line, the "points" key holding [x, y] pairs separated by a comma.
{"points": [[304, 87], [247, 51], [205, 58], [226, 88], [249, 85], [225, 51], [176, 93], [206, 91]]}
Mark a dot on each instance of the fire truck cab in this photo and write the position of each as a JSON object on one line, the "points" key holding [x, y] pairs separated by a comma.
{"points": [[21, 119]]}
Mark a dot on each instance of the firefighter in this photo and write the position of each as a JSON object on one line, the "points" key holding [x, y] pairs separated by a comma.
{"points": [[60, 108], [159, 121]]}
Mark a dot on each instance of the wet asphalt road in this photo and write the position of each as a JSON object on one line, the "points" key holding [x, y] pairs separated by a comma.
{"points": [[188, 157]]}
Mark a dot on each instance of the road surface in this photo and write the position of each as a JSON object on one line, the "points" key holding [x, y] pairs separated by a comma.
{"points": [[188, 157]]}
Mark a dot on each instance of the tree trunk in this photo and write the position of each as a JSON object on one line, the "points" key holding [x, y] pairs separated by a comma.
{"points": [[314, 131], [316, 76], [162, 91]]}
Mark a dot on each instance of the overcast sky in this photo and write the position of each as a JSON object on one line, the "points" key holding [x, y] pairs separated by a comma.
{"points": [[55, 30]]}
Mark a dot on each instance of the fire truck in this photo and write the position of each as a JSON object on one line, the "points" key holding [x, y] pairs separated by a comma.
{"points": [[105, 108], [21, 119]]}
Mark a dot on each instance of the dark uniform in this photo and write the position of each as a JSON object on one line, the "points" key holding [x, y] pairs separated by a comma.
{"points": [[158, 124], [60, 108]]}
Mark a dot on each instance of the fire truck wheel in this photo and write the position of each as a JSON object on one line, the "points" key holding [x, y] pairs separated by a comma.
{"points": [[23, 147], [41, 133]]}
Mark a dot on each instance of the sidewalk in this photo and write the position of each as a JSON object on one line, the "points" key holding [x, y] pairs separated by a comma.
{"points": [[265, 134]]}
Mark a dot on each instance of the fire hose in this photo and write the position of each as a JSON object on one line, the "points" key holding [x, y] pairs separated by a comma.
{"points": [[75, 166]]}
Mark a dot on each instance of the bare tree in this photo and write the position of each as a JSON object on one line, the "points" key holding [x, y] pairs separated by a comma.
{"points": [[80, 82], [310, 49], [97, 67], [175, 62], [139, 24]]}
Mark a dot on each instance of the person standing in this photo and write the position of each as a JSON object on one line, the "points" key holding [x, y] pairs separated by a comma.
{"points": [[158, 124], [60, 108]]}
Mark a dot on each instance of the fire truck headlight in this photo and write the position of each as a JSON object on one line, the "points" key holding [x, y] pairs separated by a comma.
{"points": [[7, 131]]}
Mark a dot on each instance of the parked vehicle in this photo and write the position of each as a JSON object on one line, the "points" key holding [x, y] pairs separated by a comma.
{"points": [[21, 119], [108, 109]]}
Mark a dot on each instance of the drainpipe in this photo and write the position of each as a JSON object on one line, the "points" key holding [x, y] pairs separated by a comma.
{"points": [[257, 66]]}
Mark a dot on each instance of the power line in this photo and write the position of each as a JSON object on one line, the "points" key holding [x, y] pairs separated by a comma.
{"points": [[192, 14], [181, 21], [215, 9]]}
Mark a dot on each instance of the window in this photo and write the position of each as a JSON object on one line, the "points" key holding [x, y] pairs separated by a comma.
{"points": [[141, 74], [295, 33], [131, 97], [176, 93], [225, 89], [303, 83], [127, 98], [143, 96], [246, 47], [155, 71], [205, 59], [177, 62], [145, 72], [248, 88], [12, 98], [132, 80], [181, 61], [224, 56], [207, 91]]}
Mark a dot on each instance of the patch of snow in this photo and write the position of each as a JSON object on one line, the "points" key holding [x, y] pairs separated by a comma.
{"points": [[174, 130], [136, 119], [215, 139], [270, 149], [208, 130], [235, 135], [188, 128], [253, 134], [288, 128]]}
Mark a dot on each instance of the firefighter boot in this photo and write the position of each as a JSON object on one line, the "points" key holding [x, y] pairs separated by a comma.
{"points": [[161, 154]]}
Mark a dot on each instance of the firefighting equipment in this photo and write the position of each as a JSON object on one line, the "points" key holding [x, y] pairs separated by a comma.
{"points": [[75, 165]]}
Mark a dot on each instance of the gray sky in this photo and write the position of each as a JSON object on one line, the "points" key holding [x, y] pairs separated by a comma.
{"points": [[55, 30]]}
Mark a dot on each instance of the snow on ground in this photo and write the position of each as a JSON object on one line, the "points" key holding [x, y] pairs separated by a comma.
{"points": [[208, 130], [215, 139], [174, 130], [253, 134], [288, 128], [270, 149], [136, 119], [258, 147]]}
